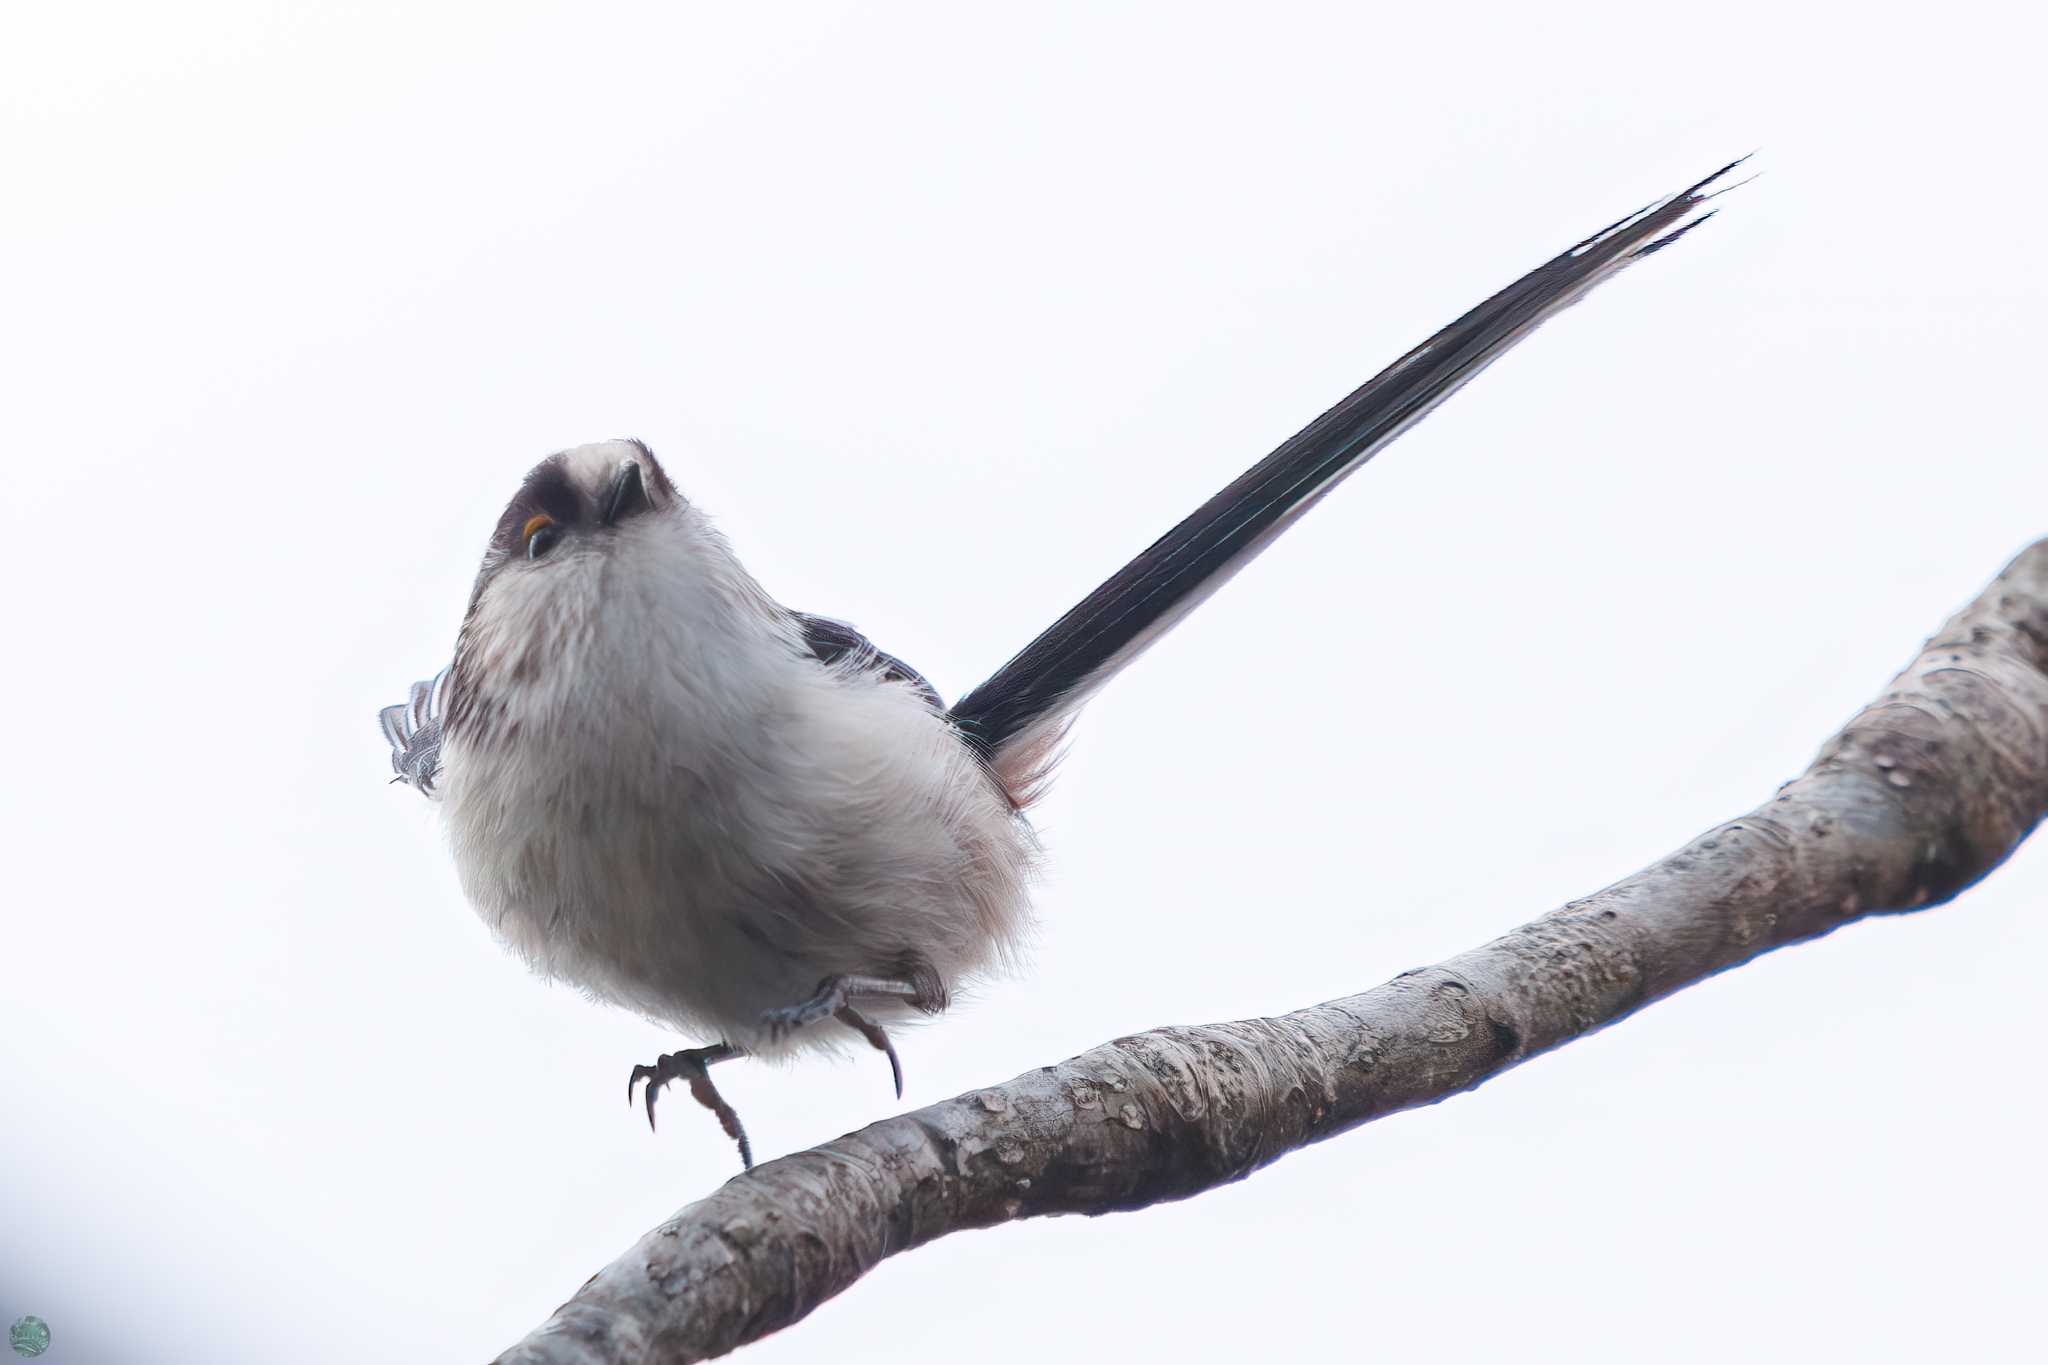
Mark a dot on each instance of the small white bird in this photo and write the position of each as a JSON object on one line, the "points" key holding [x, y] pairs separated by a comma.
{"points": [[749, 823]]}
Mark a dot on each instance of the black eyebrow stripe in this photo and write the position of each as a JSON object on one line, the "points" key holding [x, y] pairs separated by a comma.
{"points": [[547, 489]]}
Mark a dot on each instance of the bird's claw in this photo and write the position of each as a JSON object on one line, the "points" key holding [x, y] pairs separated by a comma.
{"points": [[877, 1037], [830, 1000], [692, 1065]]}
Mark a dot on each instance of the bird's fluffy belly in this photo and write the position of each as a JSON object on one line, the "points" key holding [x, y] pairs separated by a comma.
{"points": [[702, 867]]}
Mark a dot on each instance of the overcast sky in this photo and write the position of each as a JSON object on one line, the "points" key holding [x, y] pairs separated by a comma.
{"points": [[944, 311]]}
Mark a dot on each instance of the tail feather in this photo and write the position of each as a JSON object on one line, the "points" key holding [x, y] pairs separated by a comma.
{"points": [[1018, 716]]}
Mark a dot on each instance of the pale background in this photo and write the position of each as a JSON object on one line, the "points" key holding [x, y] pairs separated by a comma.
{"points": [[945, 311]]}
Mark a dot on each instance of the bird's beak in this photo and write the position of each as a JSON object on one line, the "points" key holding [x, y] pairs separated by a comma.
{"points": [[626, 494]]}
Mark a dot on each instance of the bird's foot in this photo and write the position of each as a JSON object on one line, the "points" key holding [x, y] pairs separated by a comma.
{"points": [[834, 997], [692, 1065]]}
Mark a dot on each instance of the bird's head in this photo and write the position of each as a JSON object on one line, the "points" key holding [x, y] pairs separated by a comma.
{"points": [[562, 561], [574, 505]]}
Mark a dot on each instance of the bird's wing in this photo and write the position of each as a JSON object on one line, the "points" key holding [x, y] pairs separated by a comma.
{"points": [[1016, 718], [413, 729], [832, 641]]}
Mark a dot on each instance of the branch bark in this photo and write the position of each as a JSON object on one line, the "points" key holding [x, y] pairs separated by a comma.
{"points": [[1928, 789]]}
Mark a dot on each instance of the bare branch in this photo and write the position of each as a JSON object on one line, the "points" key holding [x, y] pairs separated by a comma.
{"points": [[1924, 792]]}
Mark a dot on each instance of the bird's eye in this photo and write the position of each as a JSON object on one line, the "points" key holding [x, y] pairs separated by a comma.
{"points": [[541, 534]]}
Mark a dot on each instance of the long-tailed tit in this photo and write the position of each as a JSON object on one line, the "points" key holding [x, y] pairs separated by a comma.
{"points": [[751, 824]]}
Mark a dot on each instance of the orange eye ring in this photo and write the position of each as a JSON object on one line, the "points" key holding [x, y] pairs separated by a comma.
{"points": [[541, 534]]}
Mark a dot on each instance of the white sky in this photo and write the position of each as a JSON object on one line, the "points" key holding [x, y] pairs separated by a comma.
{"points": [[297, 293]]}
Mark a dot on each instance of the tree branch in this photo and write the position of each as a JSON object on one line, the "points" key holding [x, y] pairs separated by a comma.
{"points": [[1925, 791]]}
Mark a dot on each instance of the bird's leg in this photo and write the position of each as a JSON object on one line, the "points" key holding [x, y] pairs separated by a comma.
{"points": [[692, 1065], [920, 986]]}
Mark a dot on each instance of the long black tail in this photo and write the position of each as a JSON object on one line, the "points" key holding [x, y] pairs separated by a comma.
{"points": [[1017, 717]]}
